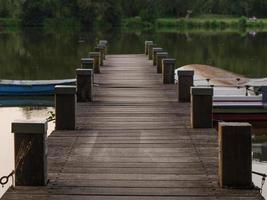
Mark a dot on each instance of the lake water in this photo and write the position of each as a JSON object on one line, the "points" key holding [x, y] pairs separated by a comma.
{"points": [[7, 116], [34, 54]]}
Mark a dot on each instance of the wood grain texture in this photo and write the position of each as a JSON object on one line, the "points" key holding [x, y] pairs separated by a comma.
{"points": [[134, 142]]}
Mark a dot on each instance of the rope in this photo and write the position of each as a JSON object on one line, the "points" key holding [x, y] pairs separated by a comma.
{"points": [[262, 180], [24, 149], [4, 180], [208, 79]]}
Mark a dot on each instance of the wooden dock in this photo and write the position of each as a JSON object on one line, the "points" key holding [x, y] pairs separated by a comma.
{"points": [[132, 143]]}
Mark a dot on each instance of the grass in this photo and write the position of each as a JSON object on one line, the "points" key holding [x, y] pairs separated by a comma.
{"points": [[214, 16], [135, 23], [215, 22], [201, 23], [9, 22]]}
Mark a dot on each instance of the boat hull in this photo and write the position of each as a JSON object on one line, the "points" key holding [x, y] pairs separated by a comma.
{"points": [[22, 101], [32, 87]]}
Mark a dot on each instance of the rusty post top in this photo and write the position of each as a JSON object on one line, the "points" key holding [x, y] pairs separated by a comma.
{"points": [[87, 60], [94, 53], [208, 91], [84, 71], [29, 126], [65, 89], [162, 54], [185, 72], [103, 42], [154, 49], [169, 60]]}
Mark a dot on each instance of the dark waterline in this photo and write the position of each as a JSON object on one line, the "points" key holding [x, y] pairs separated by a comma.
{"points": [[35, 54]]}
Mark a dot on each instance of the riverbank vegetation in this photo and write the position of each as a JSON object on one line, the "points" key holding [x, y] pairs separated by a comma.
{"points": [[212, 23], [134, 13]]}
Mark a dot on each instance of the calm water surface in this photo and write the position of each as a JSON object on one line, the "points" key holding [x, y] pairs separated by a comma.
{"points": [[7, 116], [33, 54]]}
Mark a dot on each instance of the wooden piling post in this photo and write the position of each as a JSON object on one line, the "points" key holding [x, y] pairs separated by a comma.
{"points": [[201, 107], [101, 51], [185, 82], [168, 67], [235, 155], [102, 47], [150, 48], [30, 141], [104, 42], [87, 63], [65, 106], [159, 57], [96, 56], [84, 79], [146, 46], [155, 50]]}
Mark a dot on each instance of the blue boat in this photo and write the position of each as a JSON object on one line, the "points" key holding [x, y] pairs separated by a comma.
{"points": [[40, 87], [22, 101]]}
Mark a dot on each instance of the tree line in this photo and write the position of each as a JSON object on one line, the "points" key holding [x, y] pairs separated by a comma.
{"points": [[87, 12]]}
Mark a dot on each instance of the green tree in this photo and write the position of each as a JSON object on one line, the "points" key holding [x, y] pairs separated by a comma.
{"points": [[150, 12], [110, 12], [10, 8], [131, 8], [86, 12], [34, 12]]}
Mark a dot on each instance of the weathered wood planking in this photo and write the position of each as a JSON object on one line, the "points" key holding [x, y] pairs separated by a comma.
{"points": [[132, 143]]}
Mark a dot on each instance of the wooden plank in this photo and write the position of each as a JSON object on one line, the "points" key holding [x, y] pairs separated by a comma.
{"points": [[132, 183], [102, 197], [134, 142]]}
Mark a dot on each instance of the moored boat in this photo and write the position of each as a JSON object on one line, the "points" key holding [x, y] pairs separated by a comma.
{"points": [[236, 98], [240, 108], [22, 101], [25, 87]]}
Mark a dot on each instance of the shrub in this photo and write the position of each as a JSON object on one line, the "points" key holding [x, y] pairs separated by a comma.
{"points": [[242, 22]]}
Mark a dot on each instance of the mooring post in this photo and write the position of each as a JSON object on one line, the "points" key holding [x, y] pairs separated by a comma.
{"points": [[101, 51], [96, 56], [84, 79], [65, 106], [102, 47], [155, 50], [87, 63], [159, 57], [235, 155], [185, 82], [146, 46], [150, 48], [168, 67], [30, 139], [104, 42], [201, 107]]}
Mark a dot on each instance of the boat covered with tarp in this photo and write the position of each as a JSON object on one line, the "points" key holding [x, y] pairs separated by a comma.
{"points": [[29, 87], [236, 98]]}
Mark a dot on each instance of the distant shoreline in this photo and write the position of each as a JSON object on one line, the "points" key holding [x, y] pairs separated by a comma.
{"points": [[204, 23], [211, 23]]}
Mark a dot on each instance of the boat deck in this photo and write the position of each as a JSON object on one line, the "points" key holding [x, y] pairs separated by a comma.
{"points": [[132, 143]]}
